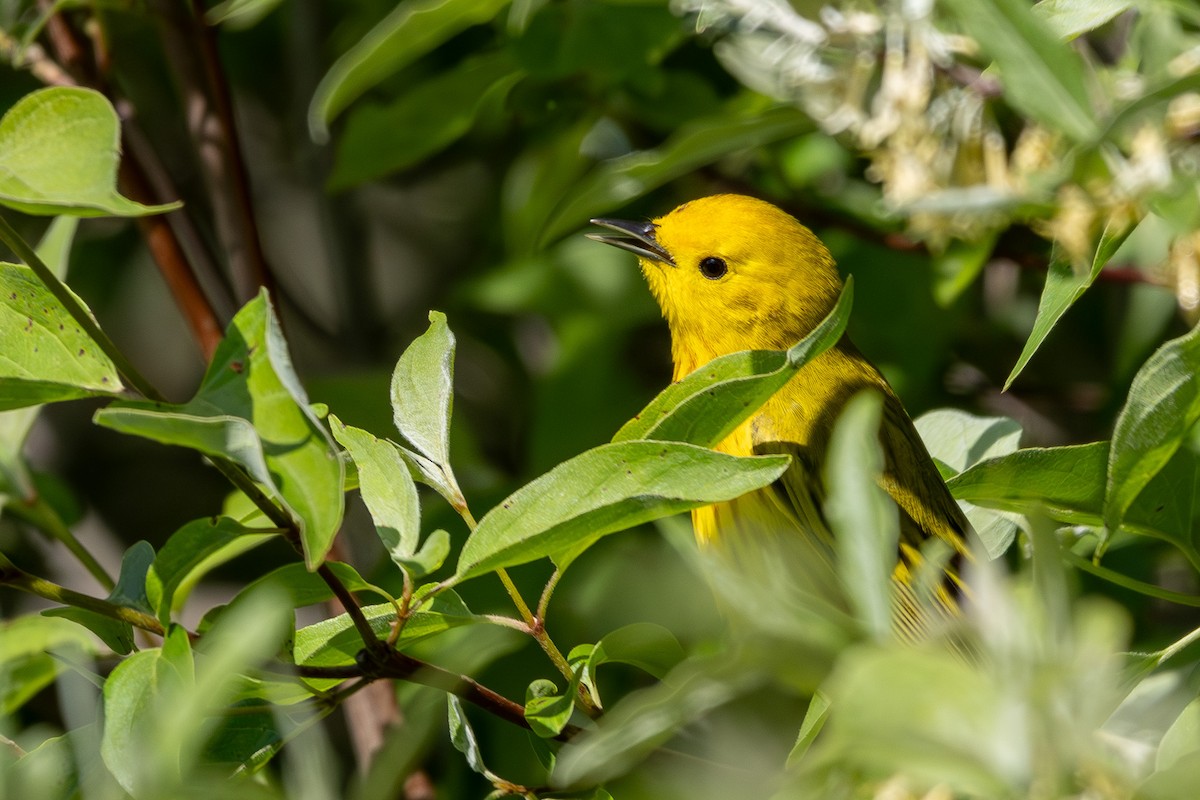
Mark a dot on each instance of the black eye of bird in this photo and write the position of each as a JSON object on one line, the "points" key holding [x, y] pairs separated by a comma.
{"points": [[713, 267]]}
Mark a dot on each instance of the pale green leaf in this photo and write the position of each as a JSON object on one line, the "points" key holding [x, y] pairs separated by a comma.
{"points": [[604, 490], [713, 400], [59, 149]]}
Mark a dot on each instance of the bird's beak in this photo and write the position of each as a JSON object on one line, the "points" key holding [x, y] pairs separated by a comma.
{"points": [[636, 237]]}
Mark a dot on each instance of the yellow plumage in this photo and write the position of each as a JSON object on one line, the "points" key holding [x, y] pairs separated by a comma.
{"points": [[735, 273]]}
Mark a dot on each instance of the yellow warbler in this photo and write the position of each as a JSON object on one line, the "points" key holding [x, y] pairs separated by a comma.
{"points": [[735, 273]]}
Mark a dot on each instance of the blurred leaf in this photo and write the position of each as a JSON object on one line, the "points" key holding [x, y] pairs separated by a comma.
{"points": [[547, 711], [881, 722], [958, 266], [647, 646], [1043, 77], [814, 722], [1162, 406], [700, 142], [129, 693], [252, 409], [1064, 285], [1182, 739], [241, 13], [26, 666], [59, 149], [1069, 18], [602, 491], [47, 356], [705, 407], [617, 41], [409, 32], [861, 515], [648, 718], [189, 550], [379, 140]]}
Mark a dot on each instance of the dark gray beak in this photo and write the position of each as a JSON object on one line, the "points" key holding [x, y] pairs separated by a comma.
{"points": [[636, 237]]}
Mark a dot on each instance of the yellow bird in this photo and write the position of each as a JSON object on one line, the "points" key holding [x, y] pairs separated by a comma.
{"points": [[735, 273]]}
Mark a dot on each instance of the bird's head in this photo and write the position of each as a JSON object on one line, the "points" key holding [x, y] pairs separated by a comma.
{"points": [[731, 273]]}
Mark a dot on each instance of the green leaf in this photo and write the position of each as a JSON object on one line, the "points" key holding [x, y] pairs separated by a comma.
{"points": [[241, 13], [617, 181], [1064, 285], [54, 250], [409, 32], [547, 711], [1043, 77], [59, 149], [604, 490], [647, 646], [708, 404], [1162, 406], [462, 736], [1064, 483], [863, 518], [129, 693], [44, 355], [335, 641], [422, 393], [810, 727], [26, 666], [391, 497], [1182, 739], [379, 140], [252, 409], [190, 550], [1070, 18], [130, 590], [304, 588]]}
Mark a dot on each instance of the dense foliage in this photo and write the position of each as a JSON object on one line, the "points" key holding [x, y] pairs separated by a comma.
{"points": [[270, 527]]}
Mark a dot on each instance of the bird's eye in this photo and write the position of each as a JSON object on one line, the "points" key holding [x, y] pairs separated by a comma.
{"points": [[713, 267]]}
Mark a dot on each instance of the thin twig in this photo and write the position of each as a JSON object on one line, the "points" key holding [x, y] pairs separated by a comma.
{"points": [[37, 512], [17, 578]]}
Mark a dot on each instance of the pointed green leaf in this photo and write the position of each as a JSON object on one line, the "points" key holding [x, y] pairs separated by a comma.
{"points": [[1063, 287], [26, 666], [189, 550], [1162, 406], [1042, 76], [411, 30], [861, 514], [252, 409], [59, 149], [708, 404], [44, 355], [604, 490], [547, 711], [387, 489]]}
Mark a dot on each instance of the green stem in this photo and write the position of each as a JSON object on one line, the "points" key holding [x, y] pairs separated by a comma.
{"points": [[537, 628], [11, 575], [38, 513], [1174, 649], [1132, 584], [75, 308]]}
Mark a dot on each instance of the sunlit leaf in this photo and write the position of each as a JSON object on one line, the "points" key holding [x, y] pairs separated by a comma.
{"points": [[604, 490], [59, 149], [713, 400]]}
